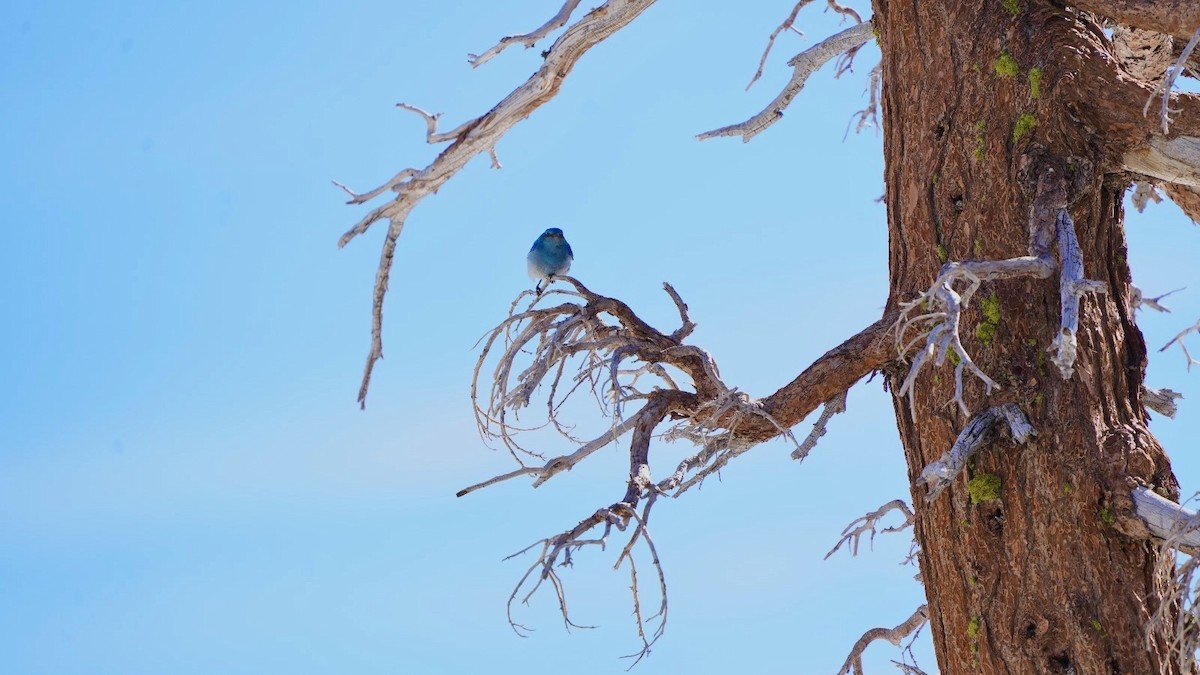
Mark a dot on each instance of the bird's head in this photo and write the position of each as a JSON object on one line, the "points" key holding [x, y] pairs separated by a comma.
{"points": [[553, 232]]}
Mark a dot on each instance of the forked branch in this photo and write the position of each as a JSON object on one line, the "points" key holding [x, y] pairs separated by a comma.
{"points": [[1178, 339], [896, 636], [474, 137], [790, 24], [935, 314], [803, 66], [570, 339], [528, 39], [867, 523]]}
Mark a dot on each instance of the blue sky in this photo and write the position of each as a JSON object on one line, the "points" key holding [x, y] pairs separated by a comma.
{"points": [[186, 482]]}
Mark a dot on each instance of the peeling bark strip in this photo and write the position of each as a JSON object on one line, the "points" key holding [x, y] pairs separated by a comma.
{"points": [[475, 137]]}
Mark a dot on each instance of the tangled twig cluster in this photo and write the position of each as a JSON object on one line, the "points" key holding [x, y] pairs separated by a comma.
{"points": [[598, 345]]}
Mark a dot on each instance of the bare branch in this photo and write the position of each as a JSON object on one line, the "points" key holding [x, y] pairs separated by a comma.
{"points": [[1137, 299], [869, 116], [1072, 287], [611, 348], [528, 39], [1182, 345], [597, 334], [908, 669], [356, 198], [936, 313], [846, 12], [432, 136], [788, 24], [855, 530], [1176, 525], [1168, 83], [1178, 613], [833, 406], [561, 463], [1171, 160], [661, 614], [895, 636], [478, 136], [557, 551], [803, 66], [980, 431], [939, 323]]}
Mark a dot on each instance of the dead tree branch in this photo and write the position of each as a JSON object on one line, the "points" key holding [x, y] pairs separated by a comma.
{"points": [[1178, 529], [803, 66], [528, 39], [935, 314], [1194, 328], [979, 432], [1168, 83], [1137, 300], [860, 526], [869, 116], [1144, 192], [1176, 525], [790, 24], [833, 406], [1072, 287], [1174, 160], [597, 344], [475, 137], [895, 636]]}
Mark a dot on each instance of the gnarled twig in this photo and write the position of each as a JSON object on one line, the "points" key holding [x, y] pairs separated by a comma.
{"points": [[803, 66]]}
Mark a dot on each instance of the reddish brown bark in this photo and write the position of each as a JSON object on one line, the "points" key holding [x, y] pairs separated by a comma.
{"points": [[1174, 17], [1186, 198], [1039, 580]]}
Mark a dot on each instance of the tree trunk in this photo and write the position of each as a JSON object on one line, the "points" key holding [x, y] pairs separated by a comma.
{"points": [[980, 99]]}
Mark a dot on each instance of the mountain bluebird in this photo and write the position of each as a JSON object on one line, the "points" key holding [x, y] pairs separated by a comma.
{"points": [[549, 257]]}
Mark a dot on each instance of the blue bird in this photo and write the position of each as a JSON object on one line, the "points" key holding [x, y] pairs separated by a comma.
{"points": [[550, 256]]}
